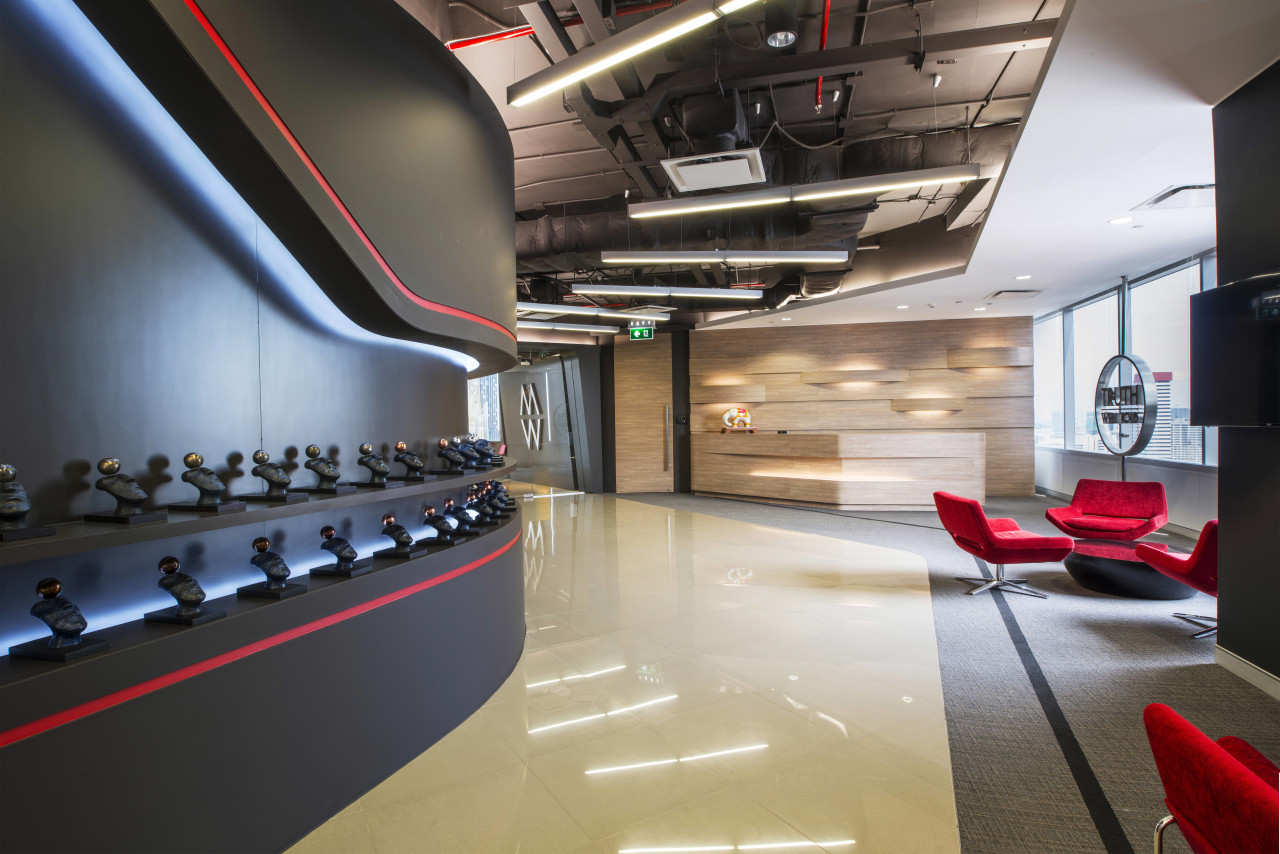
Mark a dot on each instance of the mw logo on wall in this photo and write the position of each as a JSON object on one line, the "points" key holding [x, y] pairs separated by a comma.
{"points": [[531, 416]]}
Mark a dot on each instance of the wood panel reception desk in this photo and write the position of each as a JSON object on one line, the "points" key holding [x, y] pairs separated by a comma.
{"points": [[848, 471]]}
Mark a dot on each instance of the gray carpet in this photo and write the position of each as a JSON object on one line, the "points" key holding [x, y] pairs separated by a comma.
{"points": [[1044, 698]]}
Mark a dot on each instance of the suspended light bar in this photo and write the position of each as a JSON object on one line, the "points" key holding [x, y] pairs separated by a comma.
{"points": [[589, 311], [567, 327], [633, 41], [661, 291], [731, 257], [869, 186]]}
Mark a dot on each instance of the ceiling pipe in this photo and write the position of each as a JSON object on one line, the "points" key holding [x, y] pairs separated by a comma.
{"points": [[822, 45]]}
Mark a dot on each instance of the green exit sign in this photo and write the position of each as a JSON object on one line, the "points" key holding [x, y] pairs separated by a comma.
{"points": [[639, 333]]}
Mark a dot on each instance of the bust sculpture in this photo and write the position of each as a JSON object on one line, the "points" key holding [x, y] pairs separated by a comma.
{"points": [[58, 613], [432, 519], [128, 494], [413, 464], [182, 587], [271, 564], [277, 479], [203, 479], [460, 444], [482, 511], [451, 455], [462, 517], [323, 467], [377, 466], [484, 446], [14, 503], [398, 535], [338, 547]]}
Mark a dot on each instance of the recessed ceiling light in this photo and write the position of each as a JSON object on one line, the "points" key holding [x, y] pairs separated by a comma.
{"points": [[1120, 220], [981, 308], [786, 318], [904, 306], [1022, 278]]}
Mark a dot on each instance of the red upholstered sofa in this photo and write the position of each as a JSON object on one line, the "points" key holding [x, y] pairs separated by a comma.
{"points": [[1111, 510], [1223, 795]]}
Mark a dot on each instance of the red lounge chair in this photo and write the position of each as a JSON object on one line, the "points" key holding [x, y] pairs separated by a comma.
{"points": [[1222, 795], [998, 541], [1111, 510], [1198, 569]]}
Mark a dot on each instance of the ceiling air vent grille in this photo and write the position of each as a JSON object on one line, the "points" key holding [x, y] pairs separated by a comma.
{"points": [[1011, 295], [1183, 196], [709, 171]]}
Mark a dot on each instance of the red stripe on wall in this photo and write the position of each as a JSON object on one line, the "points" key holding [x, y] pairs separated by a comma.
{"points": [[325, 185], [182, 674]]}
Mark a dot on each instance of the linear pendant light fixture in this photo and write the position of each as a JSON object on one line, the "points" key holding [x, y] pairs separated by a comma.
{"points": [[633, 41], [567, 327], [662, 291], [869, 186], [730, 257], [549, 308]]}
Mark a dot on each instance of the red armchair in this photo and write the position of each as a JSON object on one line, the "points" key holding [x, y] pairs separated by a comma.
{"points": [[1198, 569], [1111, 510], [998, 541], [1223, 795]]}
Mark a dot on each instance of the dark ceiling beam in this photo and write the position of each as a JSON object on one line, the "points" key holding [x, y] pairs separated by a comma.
{"points": [[599, 29], [834, 62], [607, 131]]}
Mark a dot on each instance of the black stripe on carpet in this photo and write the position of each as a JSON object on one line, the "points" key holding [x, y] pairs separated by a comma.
{"points": [[1095, 799]]}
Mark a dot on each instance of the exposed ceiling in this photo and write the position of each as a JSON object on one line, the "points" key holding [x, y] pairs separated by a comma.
{"points": [[1114, 112]]}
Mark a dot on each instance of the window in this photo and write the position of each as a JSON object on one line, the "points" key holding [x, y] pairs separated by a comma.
{"points": [[483, 410], [1161, 323], [1095, 338], [1047, 373]]}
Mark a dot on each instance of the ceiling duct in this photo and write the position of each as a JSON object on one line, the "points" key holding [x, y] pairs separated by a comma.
{"points": [[820, 284], [714, 123]]}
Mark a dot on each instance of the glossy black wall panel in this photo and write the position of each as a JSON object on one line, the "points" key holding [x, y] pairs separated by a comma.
{"points": [[1246, 128]]}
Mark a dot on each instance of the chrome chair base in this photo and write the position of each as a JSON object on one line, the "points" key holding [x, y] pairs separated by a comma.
{"points": [[1013, 585], [1160, 826], [1209, 624]]}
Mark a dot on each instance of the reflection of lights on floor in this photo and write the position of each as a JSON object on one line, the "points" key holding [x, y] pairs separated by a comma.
{"points": [[767, 846], [576, 675], [602, 715], [529, 496], [674, 761]]}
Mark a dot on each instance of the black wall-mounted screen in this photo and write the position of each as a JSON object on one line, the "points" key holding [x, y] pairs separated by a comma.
{"points": [[1235, 354]]}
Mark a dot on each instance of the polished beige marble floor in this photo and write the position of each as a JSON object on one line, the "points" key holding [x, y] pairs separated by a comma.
{"points": [[689, 683]]}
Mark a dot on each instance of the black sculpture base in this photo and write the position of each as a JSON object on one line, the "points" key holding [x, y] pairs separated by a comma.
{"points": [[39, 648], [487, 523], [447, 472], [27, 533], [437, 542], [264, 498], [412, 478], [385, 485], [340, 489], [261, 591], [224, 507], [130, 519], [171, 615], [363, 566], [394, 555]]}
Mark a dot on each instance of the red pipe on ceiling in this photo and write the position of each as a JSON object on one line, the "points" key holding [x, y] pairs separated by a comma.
{"points": [[520, 32], [822, 45]]}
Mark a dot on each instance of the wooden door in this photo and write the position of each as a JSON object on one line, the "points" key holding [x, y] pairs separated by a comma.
{"points": [[643, 416]]}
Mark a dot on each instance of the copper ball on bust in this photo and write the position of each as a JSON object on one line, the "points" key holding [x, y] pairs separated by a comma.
{"points": [[327, 532], [388, 519], [261, 544], [444, 443], [7, 473], [169, 564], [402, 446], [366, 448], [260, 456], [429, 511], [49, 587], [109, 466], [313, 451], [193, 460]]}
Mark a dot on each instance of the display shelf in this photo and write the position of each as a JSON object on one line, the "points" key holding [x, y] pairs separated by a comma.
{"points": [[248, 619], [74, 538]]}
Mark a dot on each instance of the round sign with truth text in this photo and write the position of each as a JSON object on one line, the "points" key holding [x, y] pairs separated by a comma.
{"points": [[1124, 405]]}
